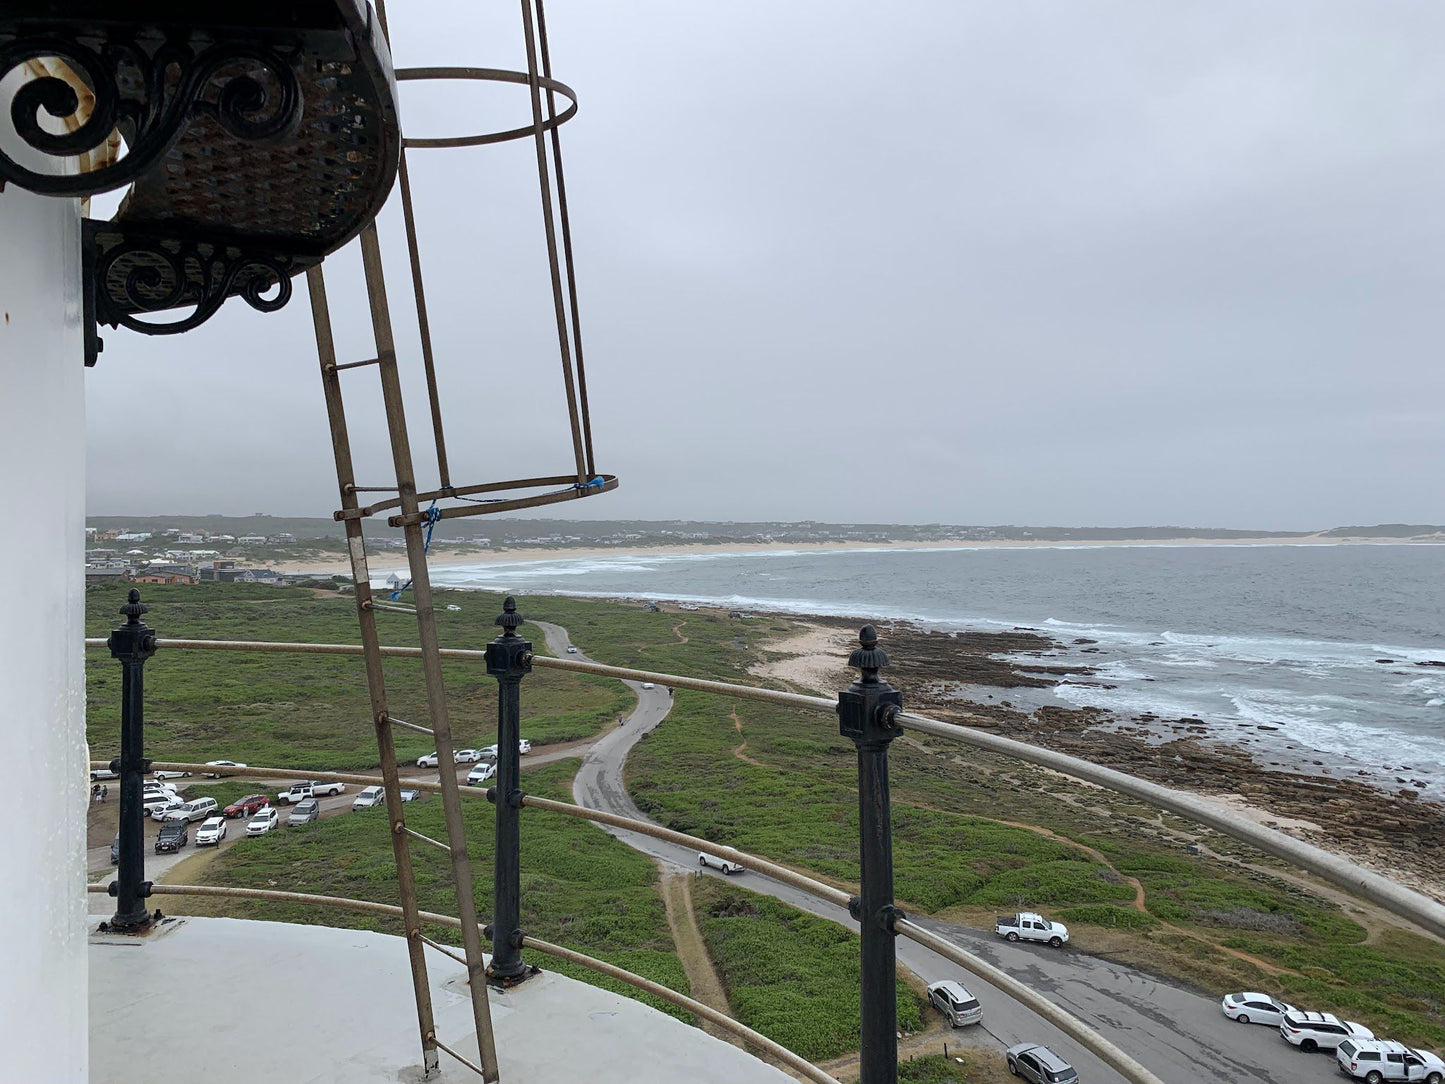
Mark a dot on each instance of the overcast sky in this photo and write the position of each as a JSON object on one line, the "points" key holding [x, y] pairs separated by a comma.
{"points": [[1085, 262]]}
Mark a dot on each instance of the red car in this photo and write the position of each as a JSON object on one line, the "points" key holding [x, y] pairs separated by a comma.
{"points": [[247, 806]]}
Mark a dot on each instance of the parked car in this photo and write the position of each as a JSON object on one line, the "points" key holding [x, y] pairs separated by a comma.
{"points": [[211, 831], [959, 1007], [197, 809], [163, 807], [523, 746], [410, 795], [170, 775], [247, 806], [1039, 1065], [306, 811], [1251, 1008], [1311, 1031], [173, 836], [489, 753], [115, 850], [729, 868], [470, 756], [571, 650], [220, 764], [1375, 1060], [1027, 926], [151, 787], [369, 796], [648, 685], [299, 792], [97, 774], [427, 761], [481, 773], [266, 818]]}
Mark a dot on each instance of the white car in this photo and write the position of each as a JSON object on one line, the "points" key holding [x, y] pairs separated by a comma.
{"points": [[1311, 1031], [470, 756], [428, 761], [1252, 1008], [162, 807], [369, 797], [170, 775], [489, 753], [211, 831], [220, 764], [648, 685], [729, 868], [266, 818], [523, 746], [150, 790], [959, 1007], [97, 774], [481, 773], [410, 795], [1375, 1060], [571, 650]]}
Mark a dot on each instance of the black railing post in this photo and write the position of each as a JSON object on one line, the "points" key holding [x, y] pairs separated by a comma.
{"points": [[509, 660], [867, 712], [132, 643]]}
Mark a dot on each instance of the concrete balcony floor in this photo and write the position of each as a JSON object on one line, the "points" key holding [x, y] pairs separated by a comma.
{"points": [[229, 1001]]}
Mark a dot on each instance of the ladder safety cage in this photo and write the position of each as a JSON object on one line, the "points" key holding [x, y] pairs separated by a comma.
{"points": [[417, 511]]}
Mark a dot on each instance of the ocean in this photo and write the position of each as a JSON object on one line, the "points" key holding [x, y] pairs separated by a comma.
{"points": [[1310, 655]]}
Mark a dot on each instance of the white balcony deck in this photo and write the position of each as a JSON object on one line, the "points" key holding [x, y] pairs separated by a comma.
{"points": [[228, 1001]]}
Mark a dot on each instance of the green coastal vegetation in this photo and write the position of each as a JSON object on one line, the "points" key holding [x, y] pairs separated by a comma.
{"points": [[974, 834]]}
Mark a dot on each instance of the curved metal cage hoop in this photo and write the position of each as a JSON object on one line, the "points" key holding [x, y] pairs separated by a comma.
{"points": [[573, 490], [488, 75]]}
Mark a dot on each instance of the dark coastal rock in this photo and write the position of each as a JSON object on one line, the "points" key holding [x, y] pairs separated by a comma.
{"points": [[1385, 660], [1084, 640], [1431, 662], [1266, 726]]}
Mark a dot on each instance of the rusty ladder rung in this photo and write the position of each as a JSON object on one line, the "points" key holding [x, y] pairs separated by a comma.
{"points": [[370, 489], [445, 950], [355, 364], [394, 721], [453, 1053], [425, 839]]}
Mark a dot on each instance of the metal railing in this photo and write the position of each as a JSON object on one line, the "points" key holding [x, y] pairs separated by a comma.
{"points": [[870, 713]]}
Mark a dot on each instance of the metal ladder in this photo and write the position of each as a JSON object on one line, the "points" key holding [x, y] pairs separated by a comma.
{"points": [[352, 515]]}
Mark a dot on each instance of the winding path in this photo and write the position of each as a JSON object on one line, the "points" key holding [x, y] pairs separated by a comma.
{"points": [[1180, 1034]]}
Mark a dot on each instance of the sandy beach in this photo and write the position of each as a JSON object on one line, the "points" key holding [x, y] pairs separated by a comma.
{"points": [[452, 557]]}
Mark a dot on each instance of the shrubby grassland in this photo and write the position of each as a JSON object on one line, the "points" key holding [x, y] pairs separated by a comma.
{"points": [[581, 888], [788, 974], [313, 711], [966, 846]]}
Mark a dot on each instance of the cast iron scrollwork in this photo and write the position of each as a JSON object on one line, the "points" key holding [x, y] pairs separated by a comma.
{"points": [[143, 275], [148, 93]]}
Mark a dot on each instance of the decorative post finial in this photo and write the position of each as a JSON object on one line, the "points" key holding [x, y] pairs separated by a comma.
{"points": [[868, 657], [509, 618], [133, 607]]}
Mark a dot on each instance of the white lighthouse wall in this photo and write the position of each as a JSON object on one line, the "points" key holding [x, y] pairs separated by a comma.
{"points": [[43, 1014]]}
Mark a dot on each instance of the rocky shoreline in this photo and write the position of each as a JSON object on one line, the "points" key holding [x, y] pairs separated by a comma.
{"points": [[1392, 831]]}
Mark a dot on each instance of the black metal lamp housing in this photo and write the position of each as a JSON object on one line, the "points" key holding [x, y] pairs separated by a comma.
{"points": [[259, 137]]}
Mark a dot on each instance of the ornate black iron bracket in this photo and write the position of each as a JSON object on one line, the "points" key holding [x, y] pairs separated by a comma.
{"points": [[259, 137], [129, 273]]}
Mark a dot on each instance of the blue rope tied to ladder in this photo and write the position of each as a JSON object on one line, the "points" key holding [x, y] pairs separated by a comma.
{"points": [[433, 517]]}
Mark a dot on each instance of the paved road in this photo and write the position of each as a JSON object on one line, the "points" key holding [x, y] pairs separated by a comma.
{"points": [[1180, 1035]]}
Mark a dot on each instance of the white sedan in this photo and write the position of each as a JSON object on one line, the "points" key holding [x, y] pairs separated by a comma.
{"points": [[729, 868], [220, 764], [266, 818], [212, 830], [428, 761], [170, 775], [468, 756], [648, 685], [163, 806], [1252, 1008]]}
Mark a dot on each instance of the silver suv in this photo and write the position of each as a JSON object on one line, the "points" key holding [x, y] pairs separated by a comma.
{"points": [[1039, 1065]]}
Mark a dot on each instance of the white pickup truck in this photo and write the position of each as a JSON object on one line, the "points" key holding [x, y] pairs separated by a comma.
{"points": [[299, 791], [1027, 926]]}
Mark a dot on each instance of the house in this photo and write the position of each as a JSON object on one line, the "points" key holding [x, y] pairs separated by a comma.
{"points": [[190, 538], [260, 575], [218, 572], [251, 540], [166, 577], [394, 582]]}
